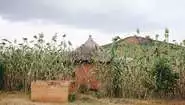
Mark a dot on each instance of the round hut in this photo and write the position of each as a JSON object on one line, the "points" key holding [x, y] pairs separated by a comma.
{"points": [[84, 70], [86, 51]]}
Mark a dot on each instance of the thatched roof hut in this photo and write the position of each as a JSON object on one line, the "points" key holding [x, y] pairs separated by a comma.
{"points": [[85, 56], [90, 51]]}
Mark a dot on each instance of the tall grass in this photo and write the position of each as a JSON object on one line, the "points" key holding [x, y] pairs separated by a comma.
{"points": [[134, 66], [132, 72], [34, 59]]}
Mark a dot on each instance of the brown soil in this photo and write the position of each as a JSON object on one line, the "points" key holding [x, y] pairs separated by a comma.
{"points": [[17, 98]]}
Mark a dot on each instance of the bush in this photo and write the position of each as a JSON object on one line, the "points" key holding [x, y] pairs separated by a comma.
{"points": [[72, 97], [165, 78]]}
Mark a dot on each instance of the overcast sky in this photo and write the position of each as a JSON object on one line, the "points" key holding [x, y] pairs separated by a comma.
{"points": [[103, 19]]}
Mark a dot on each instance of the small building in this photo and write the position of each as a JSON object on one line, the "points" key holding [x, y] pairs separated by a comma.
{"points": [[84, 57]]}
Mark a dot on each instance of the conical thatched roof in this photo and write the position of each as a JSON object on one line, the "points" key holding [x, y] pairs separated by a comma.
{"points": [[90, 43], [88, 51]]}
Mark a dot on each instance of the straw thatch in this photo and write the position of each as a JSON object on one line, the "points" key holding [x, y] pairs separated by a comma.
{"points": [[89, 51]]}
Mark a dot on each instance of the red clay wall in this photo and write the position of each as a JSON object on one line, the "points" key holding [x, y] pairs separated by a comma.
{"points": [[84, 74]]}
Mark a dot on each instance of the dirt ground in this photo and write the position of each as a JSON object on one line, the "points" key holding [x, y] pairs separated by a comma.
{"points": [[15, 98]]}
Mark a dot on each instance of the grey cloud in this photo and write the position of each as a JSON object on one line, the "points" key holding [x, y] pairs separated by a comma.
{"points": [[115, 19]]}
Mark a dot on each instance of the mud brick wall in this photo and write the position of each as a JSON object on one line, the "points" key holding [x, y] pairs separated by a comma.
{"points": [[50, 91], [84, 74]]}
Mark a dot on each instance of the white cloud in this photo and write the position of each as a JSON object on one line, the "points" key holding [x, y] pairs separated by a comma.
{"points": [[17, 30]]}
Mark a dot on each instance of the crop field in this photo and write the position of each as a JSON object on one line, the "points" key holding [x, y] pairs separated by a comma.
{"points": [[92, 52], [129, 74]]}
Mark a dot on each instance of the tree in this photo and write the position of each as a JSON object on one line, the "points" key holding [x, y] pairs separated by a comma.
{"points": [[166, 35], [138, 31], [156, 36], [184, 42]]}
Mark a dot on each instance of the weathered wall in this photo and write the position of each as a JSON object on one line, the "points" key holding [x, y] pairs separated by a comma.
{"points": [[50, 91], [85, 74]]}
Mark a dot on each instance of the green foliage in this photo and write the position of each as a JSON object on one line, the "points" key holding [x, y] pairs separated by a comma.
{"points": [[144, 71], [1, 75], [135, 71], [117, 79], [97, 94], [165, 78], [116, 71], [72, 97], [166, 34], [184, 42], [138, 31], [35, 59]]}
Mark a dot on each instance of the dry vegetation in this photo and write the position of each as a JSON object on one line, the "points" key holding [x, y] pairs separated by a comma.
{"points": [[16, 98]]}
